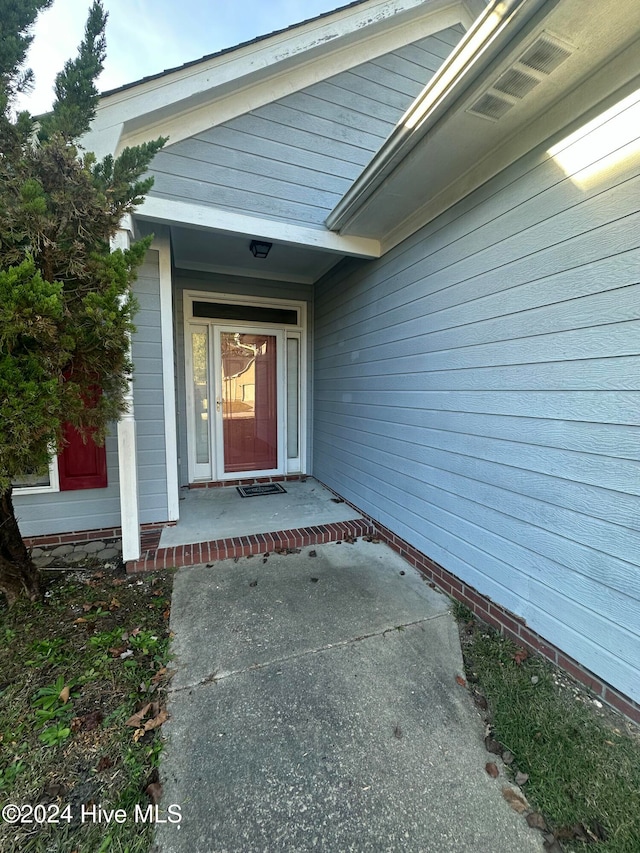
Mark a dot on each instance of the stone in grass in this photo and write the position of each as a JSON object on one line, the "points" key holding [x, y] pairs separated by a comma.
{"points": [[62, 550], [77, 557], [38, 552], [94, 547], [107, 553]]}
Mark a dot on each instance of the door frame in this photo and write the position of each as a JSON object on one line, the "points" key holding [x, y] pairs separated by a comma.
{"points": [[297, 331]]}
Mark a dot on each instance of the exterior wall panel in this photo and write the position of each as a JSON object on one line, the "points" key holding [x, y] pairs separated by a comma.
{"points": [[476, 392], [293, 159]]}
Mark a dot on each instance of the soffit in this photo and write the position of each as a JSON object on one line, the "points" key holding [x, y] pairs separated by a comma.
{"points": [[463, 149]]}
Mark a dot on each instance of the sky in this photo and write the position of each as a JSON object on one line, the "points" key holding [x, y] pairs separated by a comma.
{"points": [[148, 36]]}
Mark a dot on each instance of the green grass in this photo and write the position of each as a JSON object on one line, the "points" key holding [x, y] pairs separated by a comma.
{"points": [[74, 670], [583, 761]]}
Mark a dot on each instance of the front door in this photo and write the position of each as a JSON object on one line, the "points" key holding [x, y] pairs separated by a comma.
{"points": [[248, 423], [245, 386]]}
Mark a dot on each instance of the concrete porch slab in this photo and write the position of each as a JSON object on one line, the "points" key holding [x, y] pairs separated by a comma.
{"points": [[220, 513]]}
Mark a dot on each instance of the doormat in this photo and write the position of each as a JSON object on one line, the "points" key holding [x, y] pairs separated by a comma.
{"points": [[262, 489]]}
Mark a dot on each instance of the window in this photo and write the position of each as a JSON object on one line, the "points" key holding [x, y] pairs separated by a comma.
{"points": [[81, 465]]}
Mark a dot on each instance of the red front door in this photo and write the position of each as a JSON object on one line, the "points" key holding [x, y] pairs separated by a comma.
{"points": [[249, 380]]}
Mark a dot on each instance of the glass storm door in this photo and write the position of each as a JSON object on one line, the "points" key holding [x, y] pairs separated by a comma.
{"points": [[249, 414]]}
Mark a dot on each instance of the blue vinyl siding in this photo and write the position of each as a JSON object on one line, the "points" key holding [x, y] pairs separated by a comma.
{"points": [[148, 395], [294, 159], [476, 391]]}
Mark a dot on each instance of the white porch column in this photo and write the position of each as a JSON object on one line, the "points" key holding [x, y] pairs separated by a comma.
{"points": [[162, 242], [127, 447]]}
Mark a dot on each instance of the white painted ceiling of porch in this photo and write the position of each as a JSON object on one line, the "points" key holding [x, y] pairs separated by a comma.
{"points": [[210, 251]]}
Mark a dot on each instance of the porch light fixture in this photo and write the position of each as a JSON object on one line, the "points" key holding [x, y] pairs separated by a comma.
{"points": [[260, 249]]}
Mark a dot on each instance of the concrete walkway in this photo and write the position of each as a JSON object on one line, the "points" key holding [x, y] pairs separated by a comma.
{"points": [[315, 707]]}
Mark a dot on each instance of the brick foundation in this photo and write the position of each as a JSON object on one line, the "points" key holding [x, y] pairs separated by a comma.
{"points": [[78, 536]]}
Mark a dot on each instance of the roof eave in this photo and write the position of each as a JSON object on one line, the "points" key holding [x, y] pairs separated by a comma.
{"points": [[494, 28]]}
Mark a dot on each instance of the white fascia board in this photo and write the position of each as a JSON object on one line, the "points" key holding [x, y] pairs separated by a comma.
{"points": [[187, 101], [171, 211]]}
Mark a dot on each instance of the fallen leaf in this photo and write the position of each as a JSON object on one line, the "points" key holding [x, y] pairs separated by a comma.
{"points": [[536, 821], [159, 675], [492, 769], [79, 620], [116, 651], [114, 604], [136, 719], [104, 764], [156, 722], [118, 582], [154, 792], [460, 680], [135, 632], [516, 802], [64, 694], [167, 613], [520, 655], [97, 575], [138, 734]]}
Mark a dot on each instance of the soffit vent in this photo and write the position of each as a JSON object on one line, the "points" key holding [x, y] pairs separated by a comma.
{"points": [[516, 83], [532, 68], [545, 54], [490, 106]]}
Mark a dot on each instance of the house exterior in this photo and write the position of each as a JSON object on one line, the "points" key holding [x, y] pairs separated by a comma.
{"points": [[446, 328]]}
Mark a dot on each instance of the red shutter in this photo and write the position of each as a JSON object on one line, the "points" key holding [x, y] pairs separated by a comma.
{"points": [[81, 465]]}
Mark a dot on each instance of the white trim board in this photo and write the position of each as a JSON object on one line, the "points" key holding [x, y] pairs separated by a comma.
{"points": [[171, 211], [184, 108]]}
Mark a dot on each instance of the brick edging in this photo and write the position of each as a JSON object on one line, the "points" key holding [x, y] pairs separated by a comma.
{"points": [[509, 624], [244, 546]]}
